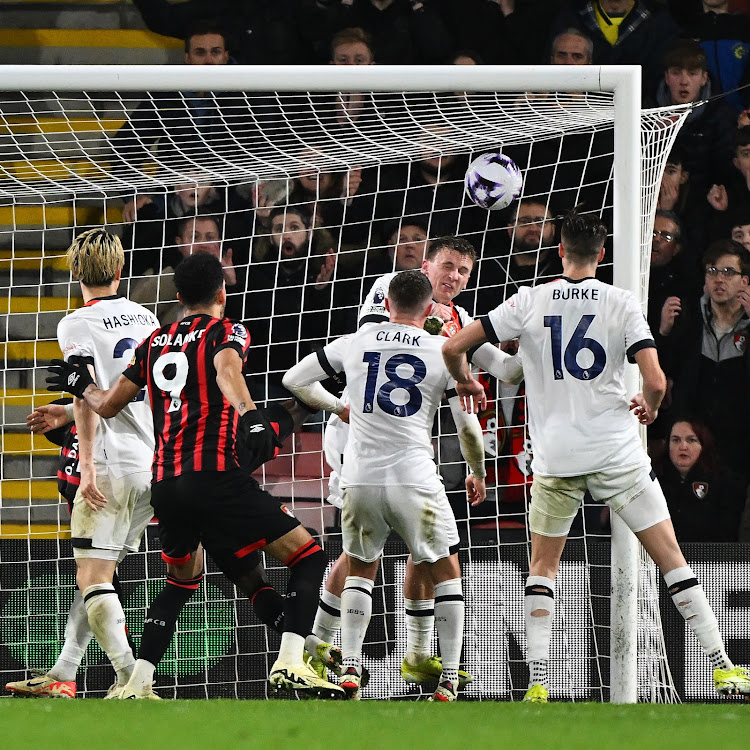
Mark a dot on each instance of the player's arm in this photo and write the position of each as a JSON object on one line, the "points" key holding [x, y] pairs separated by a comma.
{"points": [[304, 380], [75, 378], [470, 390], [231, 380], [472, 449], [86, 423], [645, 405], [503, 366]]}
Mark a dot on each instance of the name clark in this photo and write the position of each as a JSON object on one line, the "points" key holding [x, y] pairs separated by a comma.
{"points": [[575, 293], [401, 336]]}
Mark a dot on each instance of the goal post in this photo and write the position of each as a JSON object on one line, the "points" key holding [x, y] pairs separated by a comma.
{"points": [[595, 99]]}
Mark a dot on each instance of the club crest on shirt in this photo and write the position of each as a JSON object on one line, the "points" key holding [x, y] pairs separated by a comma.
{"points": [[700, 489], [740, 342]]}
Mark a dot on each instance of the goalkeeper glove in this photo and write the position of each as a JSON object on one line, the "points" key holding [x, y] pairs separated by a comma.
{"points": [[72, 377], [257, 441]]}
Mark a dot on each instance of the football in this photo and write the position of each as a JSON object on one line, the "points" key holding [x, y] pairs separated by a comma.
{"points": [[493, 181]]}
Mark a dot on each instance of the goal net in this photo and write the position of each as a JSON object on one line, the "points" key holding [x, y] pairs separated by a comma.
{"points": [[310, 195]]}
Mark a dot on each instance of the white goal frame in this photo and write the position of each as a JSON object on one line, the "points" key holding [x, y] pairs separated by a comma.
{"points": [[622, 81]]}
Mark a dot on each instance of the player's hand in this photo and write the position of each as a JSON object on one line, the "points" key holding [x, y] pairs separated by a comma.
{"points": [[88, 491], [344, 415], [671, 309], [718, 198], [46, 418], [473, 396], [257, 441], [441, 311], [68, 376], [476, 490], [641, 409]]}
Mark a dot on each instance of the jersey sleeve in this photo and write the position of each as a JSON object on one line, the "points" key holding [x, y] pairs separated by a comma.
{"points": [[373, 308], [137, 370], [505, 322], [74, 338], [637, 332], [331, 357], [229, 335]]}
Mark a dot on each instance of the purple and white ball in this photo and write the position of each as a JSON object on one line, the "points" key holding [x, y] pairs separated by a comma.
{"points": [[493, 181]]}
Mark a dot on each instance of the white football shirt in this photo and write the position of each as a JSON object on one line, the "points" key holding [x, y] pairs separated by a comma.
{"points": [[574, 337], [395, 378], [104, 333]]}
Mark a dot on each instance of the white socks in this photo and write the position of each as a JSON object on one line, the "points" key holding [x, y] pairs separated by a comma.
{"points": [[292, 648], [328, 617], [539, 598], [690, 600], [107, 621], [77, 637], [419, 617], [356, 610], [449, 619], [143, 675]]}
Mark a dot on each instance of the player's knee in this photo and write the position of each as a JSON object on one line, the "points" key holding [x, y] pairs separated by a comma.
{"points": [[309, 562], [250, 582]]}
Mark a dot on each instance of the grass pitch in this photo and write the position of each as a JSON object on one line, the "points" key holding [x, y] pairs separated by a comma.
{"points": [[369, 725]]}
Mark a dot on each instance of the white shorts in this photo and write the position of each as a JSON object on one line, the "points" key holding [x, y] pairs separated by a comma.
{"points": [[117, 528], [634, 493], [421, 517], [334, 443]]}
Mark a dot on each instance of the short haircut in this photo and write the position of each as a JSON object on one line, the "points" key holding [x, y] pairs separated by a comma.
{"points": [[456, 244], [676, 155], [393, 227], [583, 235], [202, 26], [352, 35], [685, 53], [95, 257], [530, 201], [198, 278], [183, 223], [572, 31], [300, 211], [674, 218], [727, 247], [740, 217], [410, 291], [742, 137]]}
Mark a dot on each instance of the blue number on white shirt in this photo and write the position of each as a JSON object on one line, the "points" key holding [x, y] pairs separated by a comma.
{"points": [[578, 342], [394, 382], [126, 345]]}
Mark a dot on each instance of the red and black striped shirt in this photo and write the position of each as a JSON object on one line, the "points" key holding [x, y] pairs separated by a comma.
{"points": [[194, 425]]}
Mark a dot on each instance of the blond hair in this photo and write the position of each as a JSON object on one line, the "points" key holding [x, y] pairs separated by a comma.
{"points": [[95, 257]]}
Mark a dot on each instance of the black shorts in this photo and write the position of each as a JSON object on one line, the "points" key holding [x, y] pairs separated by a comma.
{"points": [[226, 511]]}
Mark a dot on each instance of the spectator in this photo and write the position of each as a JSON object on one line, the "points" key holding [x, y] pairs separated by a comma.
{"points": [[152, 220], [352, 47], [705, 500], [289, 297], [405, 249], [672, 285], [532, 259], [708, 359], [731, 195], [195, 234], [465, 57], [706, 135], [624, 32], [184, 126], [572, 47], [741, 228], [261, 32], [725, 38]]}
